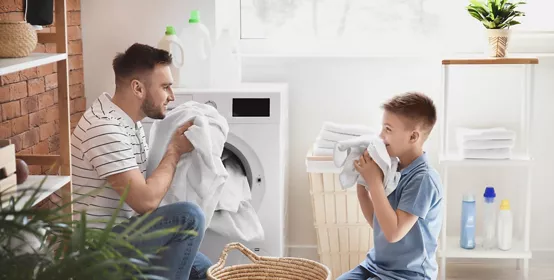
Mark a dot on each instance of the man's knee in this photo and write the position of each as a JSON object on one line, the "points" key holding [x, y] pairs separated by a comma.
{"points": [[192, 213]]}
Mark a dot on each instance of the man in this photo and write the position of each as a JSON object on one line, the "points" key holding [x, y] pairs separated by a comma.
{"points": [[109, 148]]}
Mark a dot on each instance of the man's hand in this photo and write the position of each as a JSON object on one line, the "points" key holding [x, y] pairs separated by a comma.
{"points": [[368, 169], [179, 143]]}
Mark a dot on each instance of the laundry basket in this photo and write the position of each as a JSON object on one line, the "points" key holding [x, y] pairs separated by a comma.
{"points": [[343, 235], [267, 267]]}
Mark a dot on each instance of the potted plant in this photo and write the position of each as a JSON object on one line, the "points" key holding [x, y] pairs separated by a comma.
{"points": [[497, 16], [41, 244]]}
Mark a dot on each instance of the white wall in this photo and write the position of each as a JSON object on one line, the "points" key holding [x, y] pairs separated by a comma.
{"points": [[350, 90], [109, 27]]}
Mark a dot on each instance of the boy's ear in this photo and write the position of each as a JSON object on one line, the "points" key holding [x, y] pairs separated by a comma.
{"points": [[414, 137]]}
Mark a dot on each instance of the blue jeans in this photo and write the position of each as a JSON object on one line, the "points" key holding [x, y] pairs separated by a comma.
{"points": [[181, 257], [358, 273]]}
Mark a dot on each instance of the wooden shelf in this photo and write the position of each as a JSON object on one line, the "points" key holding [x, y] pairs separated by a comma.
{"points": [[453, 250], [490, 60], [50, 185], [11, 65]]}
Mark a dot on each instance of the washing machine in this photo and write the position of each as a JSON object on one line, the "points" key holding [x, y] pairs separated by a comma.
{"points": [[258, 135]]}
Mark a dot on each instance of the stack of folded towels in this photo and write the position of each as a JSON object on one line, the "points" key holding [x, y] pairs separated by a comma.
{"points": [[489, 143], [331, 133]]}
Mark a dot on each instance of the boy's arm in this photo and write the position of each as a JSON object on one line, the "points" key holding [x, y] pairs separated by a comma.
{"points": [[394, 224], [415, 200], [365, 204]]}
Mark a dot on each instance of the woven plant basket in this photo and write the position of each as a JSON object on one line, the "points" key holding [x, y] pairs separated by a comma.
{"points": [[267, 268], [17, 39]]}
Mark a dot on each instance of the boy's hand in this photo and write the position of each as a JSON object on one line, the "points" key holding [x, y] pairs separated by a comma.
{"points": [[369, 169]]}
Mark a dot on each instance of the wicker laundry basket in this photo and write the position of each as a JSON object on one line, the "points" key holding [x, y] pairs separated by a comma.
{"points": [[17, 39], [267, 267]]}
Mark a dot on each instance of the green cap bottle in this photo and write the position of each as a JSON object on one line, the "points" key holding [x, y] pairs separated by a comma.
{"points": [[194, 16], [169, 30]]}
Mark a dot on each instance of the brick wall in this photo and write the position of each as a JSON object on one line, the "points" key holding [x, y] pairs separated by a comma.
{"points": [[28, 99]]}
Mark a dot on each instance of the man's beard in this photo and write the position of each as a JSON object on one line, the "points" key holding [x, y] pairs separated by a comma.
{"points": [[150, 109]]}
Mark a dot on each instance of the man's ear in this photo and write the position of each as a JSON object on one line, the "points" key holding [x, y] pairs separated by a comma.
{"points": [[138, 88]]}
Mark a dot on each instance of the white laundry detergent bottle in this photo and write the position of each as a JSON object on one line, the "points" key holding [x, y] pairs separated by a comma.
{"points": [[171, 43], [489, 221], [197, 46], [505, 226], [226, 64]]}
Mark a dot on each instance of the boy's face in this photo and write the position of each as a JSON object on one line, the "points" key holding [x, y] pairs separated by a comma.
{"points": [[397, 134]]}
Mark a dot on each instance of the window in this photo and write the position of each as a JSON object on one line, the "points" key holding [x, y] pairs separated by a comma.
{"points": [[374, 25]]}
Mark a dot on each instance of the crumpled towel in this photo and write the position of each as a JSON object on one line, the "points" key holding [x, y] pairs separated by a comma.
{"points": [[348, 151]]}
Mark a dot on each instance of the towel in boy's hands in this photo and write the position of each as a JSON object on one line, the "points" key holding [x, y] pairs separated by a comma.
{"points": [[348, 151]]}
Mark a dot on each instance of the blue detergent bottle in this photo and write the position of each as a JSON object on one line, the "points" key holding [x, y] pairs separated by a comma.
{"points": [[467, 227]]}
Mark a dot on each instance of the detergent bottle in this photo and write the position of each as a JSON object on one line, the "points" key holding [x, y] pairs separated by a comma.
{"points": [[171, 43], [197, 47]]}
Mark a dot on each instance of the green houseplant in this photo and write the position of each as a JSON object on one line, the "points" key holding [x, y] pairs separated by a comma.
{"points": [[31, 240], [497, 16]]}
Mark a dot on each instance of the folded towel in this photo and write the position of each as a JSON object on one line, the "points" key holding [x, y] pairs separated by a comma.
{"points": [[495, 133], [334, 136], [346, 152], [502, 153], [349, 129], [322, 152], [200, 174], [322, 143], [486, 144]]}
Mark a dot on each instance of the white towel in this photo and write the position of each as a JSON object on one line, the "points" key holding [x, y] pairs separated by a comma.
{"points": [[322, 152], [486, 144], [235, 216], [502, 153], [322, 143], [348, 129], [495, 133], [335, 137], [200, 174], [346, 152]]}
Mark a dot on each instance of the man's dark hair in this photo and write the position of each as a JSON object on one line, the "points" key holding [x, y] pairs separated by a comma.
{"points": [[137, 60], [415, 106]]}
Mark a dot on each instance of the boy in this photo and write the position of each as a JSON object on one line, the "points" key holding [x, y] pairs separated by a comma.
{"points": [[406, 224]]}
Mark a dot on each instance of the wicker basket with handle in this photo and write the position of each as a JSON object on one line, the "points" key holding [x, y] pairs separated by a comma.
{"points": [[17, 39], [267, 267]]}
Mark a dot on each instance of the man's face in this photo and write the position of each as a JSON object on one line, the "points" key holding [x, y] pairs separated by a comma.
{"points": [[395, 134], [158, 93]]}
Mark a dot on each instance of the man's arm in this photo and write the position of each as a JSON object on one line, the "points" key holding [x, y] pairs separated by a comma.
{"points": [[365, 204], [145, 195]]}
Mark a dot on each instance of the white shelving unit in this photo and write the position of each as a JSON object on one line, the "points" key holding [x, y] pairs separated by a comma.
{"points": [[450, 245]]}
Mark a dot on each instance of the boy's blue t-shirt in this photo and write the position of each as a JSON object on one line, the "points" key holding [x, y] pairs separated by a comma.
{"points": [[419, 192]]}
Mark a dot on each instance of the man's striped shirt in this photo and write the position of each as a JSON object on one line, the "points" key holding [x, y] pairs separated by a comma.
{"points": [[105, 142]]}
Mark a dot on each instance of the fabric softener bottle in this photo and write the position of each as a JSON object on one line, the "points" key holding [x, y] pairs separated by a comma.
{"points": [[467, 236]]}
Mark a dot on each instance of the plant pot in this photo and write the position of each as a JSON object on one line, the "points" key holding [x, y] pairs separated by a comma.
{"points": [[497, 42], [17, 39]]}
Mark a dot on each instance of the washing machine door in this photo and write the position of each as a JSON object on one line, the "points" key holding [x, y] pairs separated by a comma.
{"points": [[251, 165]]}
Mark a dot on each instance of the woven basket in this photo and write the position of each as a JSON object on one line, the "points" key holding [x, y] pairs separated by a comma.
{"points": [[17, 39], [267, 267]]}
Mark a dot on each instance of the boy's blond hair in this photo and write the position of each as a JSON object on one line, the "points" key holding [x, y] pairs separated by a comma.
{"points": [[416, 107]]}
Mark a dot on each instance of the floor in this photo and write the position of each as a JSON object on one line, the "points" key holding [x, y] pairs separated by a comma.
{"points": [[537, 271]]}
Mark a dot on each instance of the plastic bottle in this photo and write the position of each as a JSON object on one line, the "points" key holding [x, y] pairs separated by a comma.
{"points": [[171, 43], [505, 226], [467, 236], [197, 46], [489, 221], [226, 65]]}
